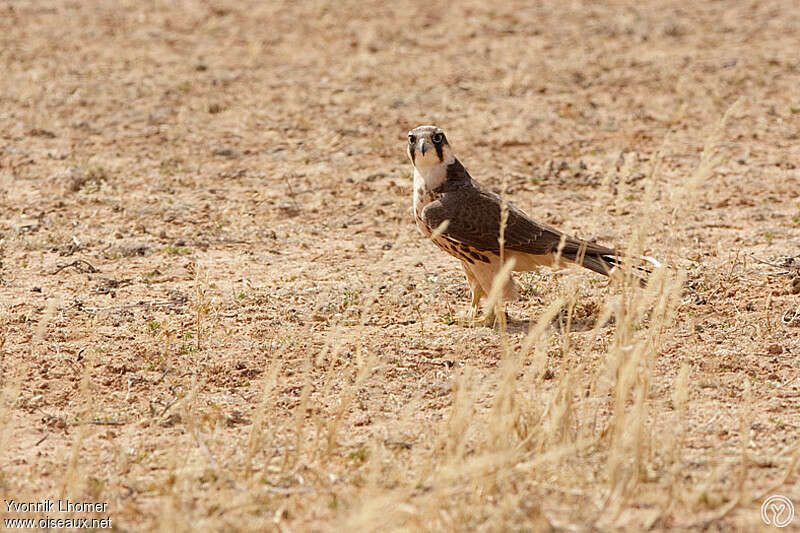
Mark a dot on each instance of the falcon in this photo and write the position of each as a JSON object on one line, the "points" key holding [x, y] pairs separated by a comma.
{"points": [[463, 218]]}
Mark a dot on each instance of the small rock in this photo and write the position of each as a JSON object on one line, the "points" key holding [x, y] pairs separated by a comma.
{"points": [[38, 132], [235, 418], [171, 420], [28, 228], [362, 419], [223, 151], [133, 250], [775, 349]]}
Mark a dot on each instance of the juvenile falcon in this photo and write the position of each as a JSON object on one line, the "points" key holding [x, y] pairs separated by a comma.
{"points": [[444, 191]]}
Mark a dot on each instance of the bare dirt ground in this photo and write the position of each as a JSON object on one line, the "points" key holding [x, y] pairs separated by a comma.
{"points": [[216, 313]]}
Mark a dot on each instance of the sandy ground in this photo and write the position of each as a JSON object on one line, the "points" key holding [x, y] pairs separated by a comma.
{"points": [[216, 313]]}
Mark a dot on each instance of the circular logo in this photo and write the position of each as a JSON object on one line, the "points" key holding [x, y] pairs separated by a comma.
{"points": [[777, 511]]}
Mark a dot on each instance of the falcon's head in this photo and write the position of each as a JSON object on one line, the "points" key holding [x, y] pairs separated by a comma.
{"points": [[428, 147]]}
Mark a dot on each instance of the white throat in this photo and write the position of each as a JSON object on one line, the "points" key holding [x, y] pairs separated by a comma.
{"points": [[430, 177]]}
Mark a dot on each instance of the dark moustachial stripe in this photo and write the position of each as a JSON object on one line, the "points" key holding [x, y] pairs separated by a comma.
{"points": [[411, 151], [439, 150], [455, 177]]}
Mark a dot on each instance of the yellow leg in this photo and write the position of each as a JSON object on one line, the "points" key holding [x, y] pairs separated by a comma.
{"points": [[475, 306], [473, 317]]}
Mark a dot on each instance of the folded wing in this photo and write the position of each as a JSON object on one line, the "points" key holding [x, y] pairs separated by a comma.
{"points": [[474, 215]]}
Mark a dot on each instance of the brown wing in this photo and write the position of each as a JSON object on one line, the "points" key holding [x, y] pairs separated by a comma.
{"points": [[474, 215]]}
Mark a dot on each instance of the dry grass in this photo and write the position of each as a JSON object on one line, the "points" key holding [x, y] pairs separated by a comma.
{"points": [[215, 312]]}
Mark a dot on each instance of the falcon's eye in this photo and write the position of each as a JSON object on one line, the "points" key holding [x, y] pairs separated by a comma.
{"points": [[411, 139], [437, 138]]}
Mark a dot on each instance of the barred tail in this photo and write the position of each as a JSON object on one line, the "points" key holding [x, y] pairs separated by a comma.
{"points": [[606, 263]]}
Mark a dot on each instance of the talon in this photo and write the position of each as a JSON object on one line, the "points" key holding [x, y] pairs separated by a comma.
{"points": [[500, 321], [470, 320]]}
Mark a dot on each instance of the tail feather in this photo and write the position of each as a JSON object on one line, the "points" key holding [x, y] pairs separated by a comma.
{"points": [[606, 263]]}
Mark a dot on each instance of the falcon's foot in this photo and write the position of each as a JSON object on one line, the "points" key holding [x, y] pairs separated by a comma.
{"points": [[474, 318], [471, 321], [487, 320]]}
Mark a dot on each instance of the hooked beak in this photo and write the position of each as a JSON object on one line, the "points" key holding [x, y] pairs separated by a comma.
{"points": [[423, 146]]}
